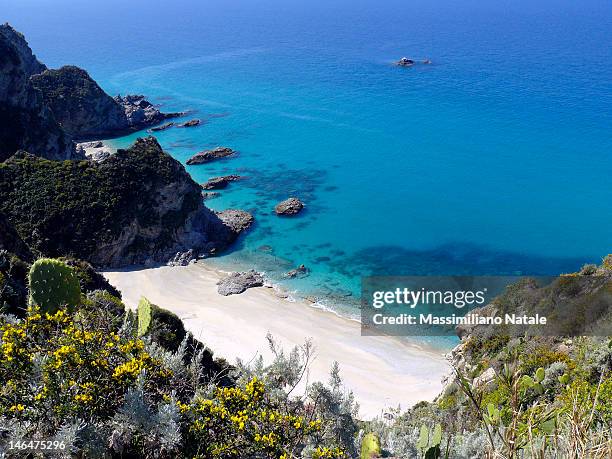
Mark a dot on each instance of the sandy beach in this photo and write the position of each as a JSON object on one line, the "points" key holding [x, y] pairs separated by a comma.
{"points": [[381, 371]]}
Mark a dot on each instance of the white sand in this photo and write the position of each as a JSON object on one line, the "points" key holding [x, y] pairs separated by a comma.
{"points": [[381, 371]]}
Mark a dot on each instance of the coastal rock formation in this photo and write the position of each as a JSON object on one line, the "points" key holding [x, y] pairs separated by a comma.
{"points": [[289, 207], [30, 64], [217, 183], [95, 151], [405, 62], [210, 155], [182, 258], [163, 127], [236, 220], [138, 206], [237, 283], [84, 110], [190, 123], [25, 121], [300, 271]]}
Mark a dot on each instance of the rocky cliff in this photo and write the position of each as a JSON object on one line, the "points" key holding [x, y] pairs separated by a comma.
{"points": [[25, 121], [85, 111], [138, 206]]}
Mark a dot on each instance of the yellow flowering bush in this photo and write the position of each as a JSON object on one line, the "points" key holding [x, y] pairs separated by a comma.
{"points": [[76, 369], [245, 422]]}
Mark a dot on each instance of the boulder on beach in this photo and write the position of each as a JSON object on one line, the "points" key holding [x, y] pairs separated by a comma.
{"points": [[217, 183], [289, 206], [190, 123], [239, 282], [210, 155]]}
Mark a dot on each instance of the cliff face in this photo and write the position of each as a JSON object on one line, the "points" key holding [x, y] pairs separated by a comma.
{"points": [[85, 111], [80, 106], [25, 121], [138, 206]]}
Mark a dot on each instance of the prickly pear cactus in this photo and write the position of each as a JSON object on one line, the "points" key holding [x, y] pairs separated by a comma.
{"points": [[145, 316], [53, 285], [370, 446]]}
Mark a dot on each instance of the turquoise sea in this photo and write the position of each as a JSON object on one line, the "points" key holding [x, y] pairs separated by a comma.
{"points": [[494, 159]]}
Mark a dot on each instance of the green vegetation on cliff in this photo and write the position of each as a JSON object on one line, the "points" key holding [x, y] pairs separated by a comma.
{"points": [[134, 205]]}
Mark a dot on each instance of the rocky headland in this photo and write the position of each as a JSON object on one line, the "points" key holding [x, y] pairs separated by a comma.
{"points": [[137, 206]]}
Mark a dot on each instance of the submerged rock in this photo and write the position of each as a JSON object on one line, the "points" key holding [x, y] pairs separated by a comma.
{"points": [[190, 123], [210, 155], [209, 195], [289, 206], [238, 282], [217, 183]]}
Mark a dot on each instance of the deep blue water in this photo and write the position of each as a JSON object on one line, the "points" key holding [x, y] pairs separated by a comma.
{"points": [[495, 159]]}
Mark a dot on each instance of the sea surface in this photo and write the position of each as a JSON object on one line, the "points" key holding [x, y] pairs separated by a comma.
{"points": [[494, 159]]}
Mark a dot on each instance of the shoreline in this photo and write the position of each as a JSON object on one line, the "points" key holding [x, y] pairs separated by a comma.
{"points": [[382, 371]]}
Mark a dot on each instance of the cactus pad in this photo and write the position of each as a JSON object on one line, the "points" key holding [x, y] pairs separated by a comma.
{"points": [[53, 285]]}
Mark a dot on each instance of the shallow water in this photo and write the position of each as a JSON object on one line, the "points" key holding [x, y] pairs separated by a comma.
{"points": [[495, 159]]}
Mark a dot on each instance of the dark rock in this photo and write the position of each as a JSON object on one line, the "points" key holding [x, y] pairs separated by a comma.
{"points": [[217, 183], [25, 121], [405, 62], [300, 271], [237, 283], [289, 206], [163, 127], [141, 113], [210, 155], [182, 258], [190, 123]]}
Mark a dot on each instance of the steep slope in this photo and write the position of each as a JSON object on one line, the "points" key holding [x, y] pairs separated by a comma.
{"points": [[85, 111], [139, 206], [25, 122]]}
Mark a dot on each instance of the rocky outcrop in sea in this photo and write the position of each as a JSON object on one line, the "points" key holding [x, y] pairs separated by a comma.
{"points": [[207, 156], [217, 183], [288, 207]]}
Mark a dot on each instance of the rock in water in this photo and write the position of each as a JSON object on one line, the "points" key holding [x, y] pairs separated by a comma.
{"points": [[289, 206], [236, 220], [163, 127], [237, 283], [217, 183], [210, 155], [190, 123], [405, 62], [300, 271]]}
